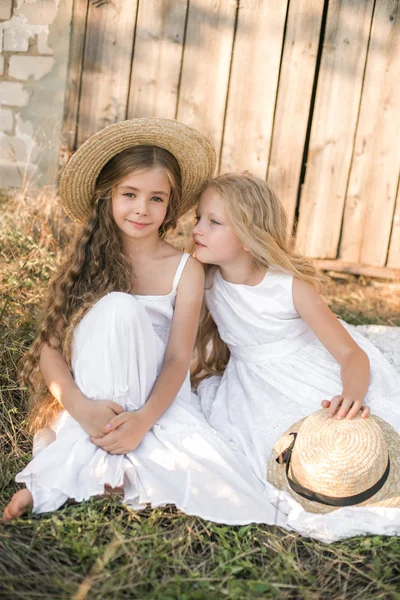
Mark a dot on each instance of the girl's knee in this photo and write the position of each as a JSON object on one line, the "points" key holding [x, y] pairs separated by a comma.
{"points": [[114, 319], [121, 301], [117, 306]]}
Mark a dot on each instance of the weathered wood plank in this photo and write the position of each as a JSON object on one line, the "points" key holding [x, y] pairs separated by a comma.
{"points": [[394, 248], [157, 59], [107, 65], [253, 85], [74, 74], [293, 100], [206, 65], [357, 269], [333, 127], [376, 161]]}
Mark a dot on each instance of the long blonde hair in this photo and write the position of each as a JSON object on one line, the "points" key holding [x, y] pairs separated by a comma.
{"points": [[260, 222], [94, 264]]}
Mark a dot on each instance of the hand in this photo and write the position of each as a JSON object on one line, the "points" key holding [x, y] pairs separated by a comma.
{"points": [[345, 407], [126, 432], [94, 415]]}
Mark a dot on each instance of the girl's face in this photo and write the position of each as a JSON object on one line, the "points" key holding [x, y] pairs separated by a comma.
{"points": [[140, 202], [215, 240]]}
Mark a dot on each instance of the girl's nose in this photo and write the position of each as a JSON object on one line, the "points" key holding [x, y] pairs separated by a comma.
{"points": [[197, 228], [141, 206]]}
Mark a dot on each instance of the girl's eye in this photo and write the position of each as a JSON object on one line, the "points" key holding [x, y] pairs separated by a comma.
{"points": [[157, 199], [129, 195], [214, 222]]}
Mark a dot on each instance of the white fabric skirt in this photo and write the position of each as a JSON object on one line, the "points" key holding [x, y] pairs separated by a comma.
{"points": [[255, 402], [181, 460]]}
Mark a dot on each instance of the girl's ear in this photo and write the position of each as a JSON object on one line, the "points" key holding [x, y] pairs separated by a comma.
{"points": [[245, 248]]}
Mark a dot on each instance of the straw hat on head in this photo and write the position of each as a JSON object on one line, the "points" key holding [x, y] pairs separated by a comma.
{"points": [[194, 153], [326, 463]]}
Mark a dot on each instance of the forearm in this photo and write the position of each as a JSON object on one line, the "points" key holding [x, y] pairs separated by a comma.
{"points": [[165, 389], [59, 380], [355, 373]]}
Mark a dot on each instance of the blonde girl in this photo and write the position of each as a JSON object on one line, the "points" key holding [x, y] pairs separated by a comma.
{"points": [[109, 369], [269, 350]]}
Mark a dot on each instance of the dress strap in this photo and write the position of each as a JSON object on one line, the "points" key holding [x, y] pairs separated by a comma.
{"points": [[179, 270]]}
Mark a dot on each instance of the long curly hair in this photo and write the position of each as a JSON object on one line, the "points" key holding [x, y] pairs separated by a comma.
{"points": [[260, 222], [93, 265]]}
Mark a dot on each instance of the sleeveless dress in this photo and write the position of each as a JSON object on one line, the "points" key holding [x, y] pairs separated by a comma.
{"points": [[118, 349], [278, 373]]}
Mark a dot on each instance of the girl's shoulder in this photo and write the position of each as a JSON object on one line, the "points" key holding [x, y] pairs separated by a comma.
{"points": [[190, 273]]}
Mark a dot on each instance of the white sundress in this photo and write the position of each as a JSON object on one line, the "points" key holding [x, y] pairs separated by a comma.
{"points": [[118, 349], [278, 373]]}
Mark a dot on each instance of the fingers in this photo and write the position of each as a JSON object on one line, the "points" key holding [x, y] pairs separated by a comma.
{"points": [[365, 412], [334, 405], [96, 440], [105, 441], [345, 407], [118, 450], [115, 448], [115, 407], [116, 422], [356, 407], [109, 443]]}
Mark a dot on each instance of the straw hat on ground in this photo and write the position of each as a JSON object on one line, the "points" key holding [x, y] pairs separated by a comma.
{"points": [[194, 153], [326, 463]]}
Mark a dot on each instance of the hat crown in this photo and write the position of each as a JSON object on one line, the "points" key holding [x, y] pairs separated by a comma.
{"points": [[194, 152], [338, 457]]}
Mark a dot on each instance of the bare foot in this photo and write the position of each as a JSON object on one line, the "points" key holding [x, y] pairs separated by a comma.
{"points": [[117, 492], [19, 505]]}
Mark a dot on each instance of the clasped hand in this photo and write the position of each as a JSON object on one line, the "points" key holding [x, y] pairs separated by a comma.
{"points": [[345, 407], [126, 431]]}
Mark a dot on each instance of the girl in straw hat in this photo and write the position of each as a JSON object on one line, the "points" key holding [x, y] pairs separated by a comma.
{"points": [[271, 348], [117, 335]]}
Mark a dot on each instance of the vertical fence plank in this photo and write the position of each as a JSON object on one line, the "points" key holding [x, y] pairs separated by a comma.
{"points": [[353, 144], [157, 59], [394, 248], [107, 65], [72, 92], [333, 127], [293, 100], [206, 65], [376, 160], [253, 85]]}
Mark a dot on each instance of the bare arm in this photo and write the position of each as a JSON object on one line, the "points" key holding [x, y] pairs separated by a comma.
{"points": [[128, 429], [180, 344], [93, 416], [353, 361]]}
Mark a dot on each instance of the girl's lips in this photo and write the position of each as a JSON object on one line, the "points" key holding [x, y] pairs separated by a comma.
{"points": [[138, 225], [197, 243]]}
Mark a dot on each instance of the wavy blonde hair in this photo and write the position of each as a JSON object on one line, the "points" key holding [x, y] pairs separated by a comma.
{"points": [[93, 265], [260, 222]]}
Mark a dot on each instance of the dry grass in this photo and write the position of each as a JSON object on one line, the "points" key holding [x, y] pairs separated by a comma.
{"points": [[100, 550], [361, 300]]}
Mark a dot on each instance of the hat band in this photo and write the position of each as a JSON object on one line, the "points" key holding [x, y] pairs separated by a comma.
{"points": [[285, 457]]}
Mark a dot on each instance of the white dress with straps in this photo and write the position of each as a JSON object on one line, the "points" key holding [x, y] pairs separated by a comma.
{"points": [[118, 350], [278, 373]]}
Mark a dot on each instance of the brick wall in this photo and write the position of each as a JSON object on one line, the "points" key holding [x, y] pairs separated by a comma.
{"points": [[34, 36]]}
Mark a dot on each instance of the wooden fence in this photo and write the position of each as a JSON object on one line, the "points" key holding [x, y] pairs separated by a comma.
{"points": [[303, 92]]}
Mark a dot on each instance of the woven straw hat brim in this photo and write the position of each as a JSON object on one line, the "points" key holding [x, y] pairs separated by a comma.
{"points": [[388, 496], [194, 153]]}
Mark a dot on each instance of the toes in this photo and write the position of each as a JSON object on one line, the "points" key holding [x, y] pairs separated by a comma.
{"points": [[19, 505]]}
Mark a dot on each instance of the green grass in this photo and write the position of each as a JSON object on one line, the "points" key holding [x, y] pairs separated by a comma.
{"points": [[102, 550]]}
